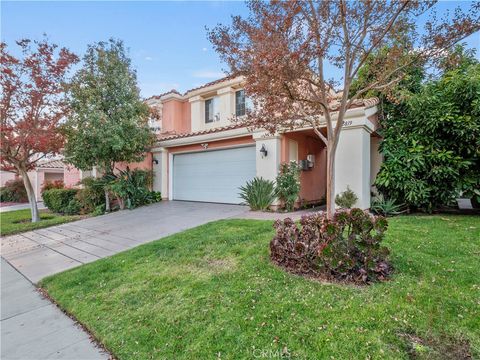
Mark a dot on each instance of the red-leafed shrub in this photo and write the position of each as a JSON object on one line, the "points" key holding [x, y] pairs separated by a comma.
{"points": [[13, 191], [57, 184], [347, 248]]}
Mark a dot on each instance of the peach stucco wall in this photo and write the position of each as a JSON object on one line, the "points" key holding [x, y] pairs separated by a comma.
{"points": [[312, 182], [145, 164], [176, 116], [71, 176]]}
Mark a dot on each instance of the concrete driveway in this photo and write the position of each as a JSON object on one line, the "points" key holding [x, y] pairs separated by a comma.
{"points": [[31, 326], [40, 253]]}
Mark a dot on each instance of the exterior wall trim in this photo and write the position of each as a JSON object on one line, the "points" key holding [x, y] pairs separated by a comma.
{"points": [[226, 147], [170, 176], [221, 135]]}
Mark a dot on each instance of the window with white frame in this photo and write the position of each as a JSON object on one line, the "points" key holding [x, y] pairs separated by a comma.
{"points": [[211, 110]]}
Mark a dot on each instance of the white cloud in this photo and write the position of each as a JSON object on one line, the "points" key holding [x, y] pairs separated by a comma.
{"points": [[204, 49], [148, 58], [208, 74]]}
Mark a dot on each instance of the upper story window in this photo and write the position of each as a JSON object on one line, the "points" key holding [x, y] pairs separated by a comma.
{"points": [[211, 110], [240, 103]]}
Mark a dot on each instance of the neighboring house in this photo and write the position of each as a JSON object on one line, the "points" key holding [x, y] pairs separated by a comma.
{"points": [[201, 155], [47, 171]]}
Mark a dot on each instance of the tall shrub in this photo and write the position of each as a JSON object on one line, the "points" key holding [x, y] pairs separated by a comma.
{"points": [[288, 184], [132, 188], [92, 194], [432, 140]]}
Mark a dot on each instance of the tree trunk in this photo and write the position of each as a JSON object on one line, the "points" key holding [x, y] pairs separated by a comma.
{"points": [[107, 201], [31, 196], [330, 182]]}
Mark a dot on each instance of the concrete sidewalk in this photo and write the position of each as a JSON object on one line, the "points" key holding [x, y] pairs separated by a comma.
{"points": [[4, 209], [33, 328]]}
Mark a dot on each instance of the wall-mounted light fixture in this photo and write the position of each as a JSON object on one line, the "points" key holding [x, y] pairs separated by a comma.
{"points": [[155, 161], [311, 160], [263, 151], [204, 145]]}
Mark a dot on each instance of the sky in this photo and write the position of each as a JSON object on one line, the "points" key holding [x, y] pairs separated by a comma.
{"points": [[167, 40]]}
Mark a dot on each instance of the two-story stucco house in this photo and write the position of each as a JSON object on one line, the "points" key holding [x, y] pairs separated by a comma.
{"points": [[202, 155]]}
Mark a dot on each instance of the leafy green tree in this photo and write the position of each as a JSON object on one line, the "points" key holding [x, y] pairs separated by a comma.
{"points": [[108, 123], [432, 138]]}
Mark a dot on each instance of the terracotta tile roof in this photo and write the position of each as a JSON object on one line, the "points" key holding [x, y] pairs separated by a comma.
{"points": [[51, 164], [170, 136], [225, 78], [367, 103], [173, 91]]}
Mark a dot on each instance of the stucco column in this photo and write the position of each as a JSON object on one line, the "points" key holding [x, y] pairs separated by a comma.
{"points": [[267, 166], [197, 108], [352, 161], [160, 170], [226, 104]]}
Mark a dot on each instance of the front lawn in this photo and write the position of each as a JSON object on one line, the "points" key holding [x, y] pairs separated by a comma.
{"points": [[211, 292], [14, 222]]}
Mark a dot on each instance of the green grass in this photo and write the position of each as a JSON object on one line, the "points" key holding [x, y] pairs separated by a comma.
{"points": [[211, 292], [14, 222]]}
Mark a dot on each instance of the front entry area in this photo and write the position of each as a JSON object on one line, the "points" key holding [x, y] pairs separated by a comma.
{"points": [[213, 175]]}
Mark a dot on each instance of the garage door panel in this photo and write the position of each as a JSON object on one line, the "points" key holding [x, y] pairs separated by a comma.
{"points": [[213, 176]]}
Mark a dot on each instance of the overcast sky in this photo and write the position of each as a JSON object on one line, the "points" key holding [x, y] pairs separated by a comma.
{"points": [[167, 40]]}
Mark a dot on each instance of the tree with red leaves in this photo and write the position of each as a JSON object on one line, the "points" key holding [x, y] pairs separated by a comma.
{"points": [[285, 48], [33, 104]]}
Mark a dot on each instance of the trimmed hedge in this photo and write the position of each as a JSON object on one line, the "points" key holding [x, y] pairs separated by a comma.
{"points": [[62, 201]]}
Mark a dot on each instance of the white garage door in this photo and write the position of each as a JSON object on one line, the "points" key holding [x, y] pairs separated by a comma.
{"points": [[213, 176]]}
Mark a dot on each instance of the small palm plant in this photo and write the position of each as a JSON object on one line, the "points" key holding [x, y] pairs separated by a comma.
{"points": [[259, 193], [386, 207]]}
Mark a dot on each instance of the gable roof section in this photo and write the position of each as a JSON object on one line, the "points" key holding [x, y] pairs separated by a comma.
{"points": [[51, 164], [215, 82], [157, 97], [173, 91]]}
